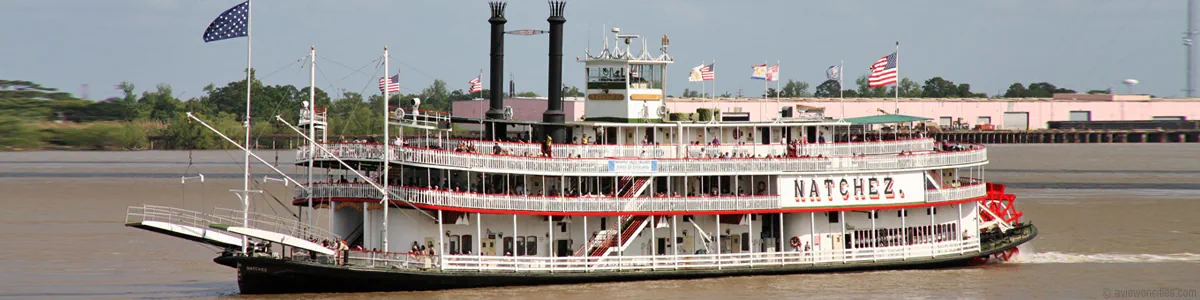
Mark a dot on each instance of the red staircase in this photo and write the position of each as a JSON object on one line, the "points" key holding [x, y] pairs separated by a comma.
{"points": [[632, 225]]}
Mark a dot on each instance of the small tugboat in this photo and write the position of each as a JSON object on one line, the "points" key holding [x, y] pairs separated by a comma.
{"points": [[626, 194]]}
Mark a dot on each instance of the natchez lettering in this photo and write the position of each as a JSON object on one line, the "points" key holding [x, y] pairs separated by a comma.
{"points": [[846, 189]]}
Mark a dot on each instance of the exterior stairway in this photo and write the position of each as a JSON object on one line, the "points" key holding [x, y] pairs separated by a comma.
{"points": [[605, 240], [633, 226]]}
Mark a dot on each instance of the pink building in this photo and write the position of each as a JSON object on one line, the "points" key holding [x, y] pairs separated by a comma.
{"points": [[1006, 113]]}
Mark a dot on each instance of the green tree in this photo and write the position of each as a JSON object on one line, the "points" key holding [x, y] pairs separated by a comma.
{"points": [[435, 97], [15, 133], [1037, 90], [909, 88], [827, 89], [527, 94], [688, 93], [938, 87], [573, 92], [795, 89]]}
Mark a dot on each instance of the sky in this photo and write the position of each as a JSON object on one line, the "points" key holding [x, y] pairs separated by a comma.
{"points": [[1077, 44]]}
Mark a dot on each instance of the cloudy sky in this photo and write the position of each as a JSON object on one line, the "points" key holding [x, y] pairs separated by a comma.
{"points": [[1077, 44]]}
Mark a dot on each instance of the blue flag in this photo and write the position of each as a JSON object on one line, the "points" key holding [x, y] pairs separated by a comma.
{"points": [[230, 24]]}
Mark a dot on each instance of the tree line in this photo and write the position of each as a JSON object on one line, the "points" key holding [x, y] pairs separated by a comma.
{"points": [[936, 87], [35, 116]]}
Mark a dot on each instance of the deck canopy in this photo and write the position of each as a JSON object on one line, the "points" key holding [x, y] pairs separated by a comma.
{"points": [[885, 119]]}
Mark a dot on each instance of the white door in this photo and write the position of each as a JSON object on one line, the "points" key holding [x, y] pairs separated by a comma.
{"points": [[1016, 121]]}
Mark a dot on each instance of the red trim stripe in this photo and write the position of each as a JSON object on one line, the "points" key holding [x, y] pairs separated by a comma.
{"points": [[649, 213]]}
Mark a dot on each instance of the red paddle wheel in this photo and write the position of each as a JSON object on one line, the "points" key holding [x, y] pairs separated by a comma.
{"points": [[1002, 208]]}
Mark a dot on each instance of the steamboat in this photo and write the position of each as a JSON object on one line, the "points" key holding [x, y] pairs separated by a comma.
{"points": [[628, 193]]}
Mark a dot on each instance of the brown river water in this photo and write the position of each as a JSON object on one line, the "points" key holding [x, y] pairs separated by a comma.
{"points": [[1112, 217]]}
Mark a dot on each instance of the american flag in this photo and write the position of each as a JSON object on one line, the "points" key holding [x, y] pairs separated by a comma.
{"points": [[708, 72], [230, 24], [883, 72], [773, 73], [392, 84], [476, 85]]}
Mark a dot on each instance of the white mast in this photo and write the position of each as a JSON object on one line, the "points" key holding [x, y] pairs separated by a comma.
{"points": [[246, 160], [386, 147], [312, 116]]}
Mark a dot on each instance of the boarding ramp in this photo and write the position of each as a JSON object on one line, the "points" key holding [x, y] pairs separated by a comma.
{"points": [[181, 223], [224, 218]]}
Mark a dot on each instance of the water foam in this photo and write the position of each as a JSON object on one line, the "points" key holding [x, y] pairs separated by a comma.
{"points": [[1054, 257]]}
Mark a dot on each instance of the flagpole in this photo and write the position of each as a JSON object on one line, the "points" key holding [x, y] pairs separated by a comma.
{"points": [[897, 77], [387, 150], [777, 79], [246, 158], [312, 127], [766, 82], [841, 94]]}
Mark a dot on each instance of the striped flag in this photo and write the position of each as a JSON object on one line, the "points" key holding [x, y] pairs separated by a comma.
{"points": [[708, 72], [773, 73], [883, 72], [476, 85], [760, 72], [392, 84]]}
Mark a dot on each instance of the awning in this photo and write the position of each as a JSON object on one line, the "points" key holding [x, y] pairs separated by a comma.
{"points": [[885, 119]]}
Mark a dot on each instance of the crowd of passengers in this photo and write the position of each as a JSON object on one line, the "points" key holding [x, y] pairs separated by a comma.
{"points": [[794, 148]]}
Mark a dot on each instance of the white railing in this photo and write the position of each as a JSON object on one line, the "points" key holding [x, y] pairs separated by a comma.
{"points": [[706, 261], [289, 226], [562, 166], [642, 151], [814, 149], [537, 203], [558, 150], [167, 214], [956, 193]]}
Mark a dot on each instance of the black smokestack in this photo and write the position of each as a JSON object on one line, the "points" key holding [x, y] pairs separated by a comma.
{"points": [[496, 107], [554, 103]]}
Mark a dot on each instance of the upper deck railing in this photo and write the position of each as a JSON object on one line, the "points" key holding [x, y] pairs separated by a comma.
{"points": [[596, 166], [691, 151], [446, 198]]}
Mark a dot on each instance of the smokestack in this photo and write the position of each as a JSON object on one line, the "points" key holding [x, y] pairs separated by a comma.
{"points": [[554, 103], [496, 105]]}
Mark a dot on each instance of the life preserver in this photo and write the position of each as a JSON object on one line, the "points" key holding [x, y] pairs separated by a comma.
{"points": [[795, 241]]}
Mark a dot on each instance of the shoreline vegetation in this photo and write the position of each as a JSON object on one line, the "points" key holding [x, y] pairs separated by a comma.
{"points": [[34, 117]]}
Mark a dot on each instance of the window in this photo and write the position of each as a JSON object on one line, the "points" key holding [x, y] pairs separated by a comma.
{"points": [[931, 211], [645, 76], [983, 120], [874, 214], [901, 213], [520, 246], [531, 245], [833, 216], [606, 74]]}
